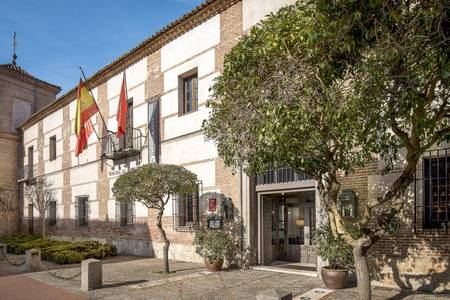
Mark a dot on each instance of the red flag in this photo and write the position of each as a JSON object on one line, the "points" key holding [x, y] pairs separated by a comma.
{"points": [[86, 130], [122, 109]]}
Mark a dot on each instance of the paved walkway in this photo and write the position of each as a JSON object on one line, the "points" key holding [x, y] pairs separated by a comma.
{"points": [[140, 278], [21, 287]]}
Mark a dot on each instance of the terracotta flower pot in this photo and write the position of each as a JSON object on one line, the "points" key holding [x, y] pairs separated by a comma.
{"points": [[214, 265], [334, 279]]}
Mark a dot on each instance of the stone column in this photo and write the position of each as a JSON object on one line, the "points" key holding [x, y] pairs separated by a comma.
{"points": [[91, 274], [2, 251], [33, 259]]}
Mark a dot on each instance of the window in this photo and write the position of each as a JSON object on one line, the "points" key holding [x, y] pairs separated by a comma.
{"points": [[186, 214], [52, 146], [30, 162], [52, 213], [125, 213], [82, 210], [436, 191], [228, 208], [126, 141], [188, 92]]}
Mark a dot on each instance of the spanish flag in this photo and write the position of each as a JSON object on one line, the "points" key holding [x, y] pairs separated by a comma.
{"points": [[86, 108]]}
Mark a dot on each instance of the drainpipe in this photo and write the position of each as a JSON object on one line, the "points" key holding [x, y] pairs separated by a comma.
{"points": [[241, 215]]}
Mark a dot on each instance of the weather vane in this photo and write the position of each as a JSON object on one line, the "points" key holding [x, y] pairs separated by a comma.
{"points": [[14, 47]]}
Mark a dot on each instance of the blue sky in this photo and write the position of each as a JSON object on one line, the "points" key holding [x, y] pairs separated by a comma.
{"points": [[55, 37]]}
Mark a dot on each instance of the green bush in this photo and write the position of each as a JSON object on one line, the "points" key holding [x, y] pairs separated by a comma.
{"points": [[60, 252], [334, 250], [213, 244]]}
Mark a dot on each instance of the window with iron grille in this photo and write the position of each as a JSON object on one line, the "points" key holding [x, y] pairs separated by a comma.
{"points": [[188, 92], [52, 213], [52, 147], [186, 212], [436, 191], [82, 210], [125, 213]]}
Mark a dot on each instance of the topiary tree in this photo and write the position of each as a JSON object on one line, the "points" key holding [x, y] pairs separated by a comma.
{"points": [[153, 185], [325, 88]]}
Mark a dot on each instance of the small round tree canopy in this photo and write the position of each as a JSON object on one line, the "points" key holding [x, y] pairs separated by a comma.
{"points": [[153, 184]]}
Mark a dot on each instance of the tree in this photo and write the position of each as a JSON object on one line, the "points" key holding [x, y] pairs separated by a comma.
{"points": [[40, 194], [8, 206], [153, 185], [326, 89]]}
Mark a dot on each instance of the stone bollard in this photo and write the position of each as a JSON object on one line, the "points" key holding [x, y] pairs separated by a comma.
{"points": [[274, 294], [2, 251], [33, 259], [91, 274]]}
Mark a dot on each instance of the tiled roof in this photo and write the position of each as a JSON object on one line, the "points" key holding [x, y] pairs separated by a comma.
{"points": [[21, 71]]}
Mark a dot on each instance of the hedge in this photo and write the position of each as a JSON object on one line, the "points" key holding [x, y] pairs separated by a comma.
{"points": [[60, 252]]}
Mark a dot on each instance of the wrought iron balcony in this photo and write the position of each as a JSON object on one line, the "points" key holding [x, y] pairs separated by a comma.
{"points": [[282, 175], [128, 145]]}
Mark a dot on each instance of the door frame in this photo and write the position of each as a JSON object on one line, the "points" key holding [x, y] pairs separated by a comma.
{"points": [[259, 198]]}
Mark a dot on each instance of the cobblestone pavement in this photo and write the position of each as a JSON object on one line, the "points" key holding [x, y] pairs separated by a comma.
{"points": [[140, 278]]}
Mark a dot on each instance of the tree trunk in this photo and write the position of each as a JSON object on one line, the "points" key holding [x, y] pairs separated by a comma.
{"points": [[43, 227], [166, 241], [362, 272]]}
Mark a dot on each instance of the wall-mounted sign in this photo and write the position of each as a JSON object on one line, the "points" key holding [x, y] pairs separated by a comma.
{"points": [[212, 205]]}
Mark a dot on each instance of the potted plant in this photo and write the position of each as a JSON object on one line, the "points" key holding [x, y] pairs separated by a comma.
{"points": [[338, 255], [213, 246]]}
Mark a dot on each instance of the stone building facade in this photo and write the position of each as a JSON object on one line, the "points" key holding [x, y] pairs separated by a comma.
{"points": [[278, 211], [21, 95]]}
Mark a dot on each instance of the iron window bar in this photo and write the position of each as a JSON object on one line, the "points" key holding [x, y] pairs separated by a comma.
{"points": [[432, 193], [281, 175], [181, 205]]}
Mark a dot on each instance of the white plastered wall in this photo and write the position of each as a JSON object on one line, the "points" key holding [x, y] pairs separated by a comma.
{"points": [[255, 10]]}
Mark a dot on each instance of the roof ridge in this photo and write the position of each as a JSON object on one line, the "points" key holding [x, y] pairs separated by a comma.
{"points": [[22, 71]]}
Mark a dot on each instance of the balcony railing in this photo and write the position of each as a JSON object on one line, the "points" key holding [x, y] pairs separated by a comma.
{"points": [[282, 175], [128, 145]]}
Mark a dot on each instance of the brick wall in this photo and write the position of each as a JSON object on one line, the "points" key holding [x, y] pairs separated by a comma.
{"points": [[19, 97], [9, 148], [230, 31], [406, 259], [66, 163], [103, 180]]}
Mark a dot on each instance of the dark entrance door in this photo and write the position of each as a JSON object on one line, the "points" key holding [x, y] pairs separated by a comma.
{"points": [[293, 226]]}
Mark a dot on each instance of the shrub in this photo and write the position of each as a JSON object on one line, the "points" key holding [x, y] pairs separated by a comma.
{"points": [[213, 244], [60, 252], [334, 250]]}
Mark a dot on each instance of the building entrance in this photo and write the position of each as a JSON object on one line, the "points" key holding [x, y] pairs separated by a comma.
{"points": [[289, 223]]}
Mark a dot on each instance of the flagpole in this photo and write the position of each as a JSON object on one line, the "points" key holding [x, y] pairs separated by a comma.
{"points": [[101, 116], [90, 92]]}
